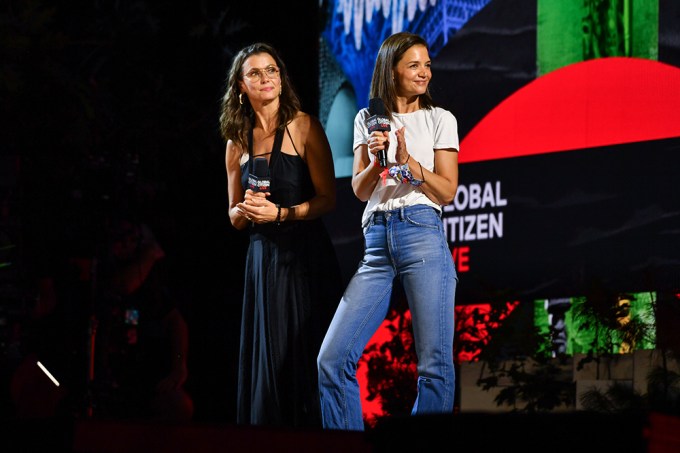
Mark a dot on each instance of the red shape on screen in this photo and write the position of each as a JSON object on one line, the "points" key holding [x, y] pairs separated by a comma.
{"points": [[601, 102]]}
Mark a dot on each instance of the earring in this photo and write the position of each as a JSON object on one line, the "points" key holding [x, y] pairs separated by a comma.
{"points": [[240, 98], [280, 89]]}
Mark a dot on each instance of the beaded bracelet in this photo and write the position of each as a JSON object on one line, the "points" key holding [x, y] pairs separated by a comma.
{"points": [[402, 174]]}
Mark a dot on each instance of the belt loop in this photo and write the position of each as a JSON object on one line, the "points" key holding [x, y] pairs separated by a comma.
{"points": [[401, 214]]}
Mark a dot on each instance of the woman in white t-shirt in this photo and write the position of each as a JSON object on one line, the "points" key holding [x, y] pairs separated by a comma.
{"points": [[404, 236]]}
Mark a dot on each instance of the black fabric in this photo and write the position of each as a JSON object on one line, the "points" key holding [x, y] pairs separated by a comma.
{"points": [[292, 287]]}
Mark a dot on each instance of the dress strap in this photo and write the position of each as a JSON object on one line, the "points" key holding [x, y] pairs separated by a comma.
{"points": [[249, 163], [276, 147], [278, 139], [291, 140]]}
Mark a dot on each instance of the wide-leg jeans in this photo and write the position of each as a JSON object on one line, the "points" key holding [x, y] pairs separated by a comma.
{"points": [[409, 243]]}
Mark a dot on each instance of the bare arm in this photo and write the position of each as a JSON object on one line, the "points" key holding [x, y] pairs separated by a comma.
{"points": [[306, 130], [234, 187], [320, 163], [365, 175]]}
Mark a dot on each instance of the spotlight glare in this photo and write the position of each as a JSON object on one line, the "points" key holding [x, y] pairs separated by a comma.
{"points": [[49, 375]]}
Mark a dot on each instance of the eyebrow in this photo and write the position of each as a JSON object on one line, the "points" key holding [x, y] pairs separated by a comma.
{"points": [[265, 67]]}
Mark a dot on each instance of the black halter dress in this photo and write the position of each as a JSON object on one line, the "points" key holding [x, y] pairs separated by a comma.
{"points": [[292, 288]]}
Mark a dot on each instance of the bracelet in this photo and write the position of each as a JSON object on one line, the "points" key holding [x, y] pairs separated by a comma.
{"points": [[278, 214], [422, 173], [402, 174]]}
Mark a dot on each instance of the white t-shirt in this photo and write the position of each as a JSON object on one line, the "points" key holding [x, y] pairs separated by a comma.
{"points": [[425, 131]]}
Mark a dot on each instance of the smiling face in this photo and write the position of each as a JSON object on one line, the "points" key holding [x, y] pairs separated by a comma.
{"points": [[261, 79], [413, 72]]}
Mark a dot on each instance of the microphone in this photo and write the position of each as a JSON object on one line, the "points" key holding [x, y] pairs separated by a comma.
{"points": [[378, 121], [258, 179]]}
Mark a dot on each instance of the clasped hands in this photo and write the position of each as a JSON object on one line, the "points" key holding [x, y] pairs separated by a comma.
{"points": [[257, 208], [379, 140]]}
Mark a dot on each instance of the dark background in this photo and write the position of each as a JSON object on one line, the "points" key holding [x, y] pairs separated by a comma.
{"points": [[111, 107]]}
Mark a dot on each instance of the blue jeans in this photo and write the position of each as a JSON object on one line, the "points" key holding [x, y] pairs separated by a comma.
{"points": [[408, 243]]}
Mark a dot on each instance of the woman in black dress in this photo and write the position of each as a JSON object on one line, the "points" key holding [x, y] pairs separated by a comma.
{"points": [[292, 277]]}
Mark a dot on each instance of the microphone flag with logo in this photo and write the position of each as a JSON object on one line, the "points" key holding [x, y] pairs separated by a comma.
{"points": [[258, 179], [378, 121]]}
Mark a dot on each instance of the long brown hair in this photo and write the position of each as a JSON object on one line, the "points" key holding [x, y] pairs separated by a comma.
{"points": [[236, 119], [383, 85]]}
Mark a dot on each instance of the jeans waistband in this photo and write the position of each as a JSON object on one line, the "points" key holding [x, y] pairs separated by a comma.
{"points": [[380, 216]]}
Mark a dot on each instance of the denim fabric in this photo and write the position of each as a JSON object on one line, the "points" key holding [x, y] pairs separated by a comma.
{"points": [[408, 243]]}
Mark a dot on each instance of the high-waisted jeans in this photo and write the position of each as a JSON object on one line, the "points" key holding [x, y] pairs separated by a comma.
{"points": [[409, 243]]}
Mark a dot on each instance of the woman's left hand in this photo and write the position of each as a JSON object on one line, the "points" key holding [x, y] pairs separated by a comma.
{"points": [[256, 208], [401, 153]]}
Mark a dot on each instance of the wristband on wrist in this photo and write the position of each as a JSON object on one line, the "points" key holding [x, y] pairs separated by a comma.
{"points": [[422, 172], [278, 214], [402, 174]]}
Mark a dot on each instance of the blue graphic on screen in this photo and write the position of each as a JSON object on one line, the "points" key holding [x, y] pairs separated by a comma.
{"points": [[349, 45]]}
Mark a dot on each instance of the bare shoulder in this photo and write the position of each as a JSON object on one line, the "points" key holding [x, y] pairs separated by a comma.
{"points": [[305, 129], [232, 150], [233, 153], [302, 124]]}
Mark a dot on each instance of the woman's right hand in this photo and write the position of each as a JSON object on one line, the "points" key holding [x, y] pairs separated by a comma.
{"points": [[254, 206], [378, 141]]}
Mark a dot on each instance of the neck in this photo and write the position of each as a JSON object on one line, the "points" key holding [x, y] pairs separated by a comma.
{"points": [[408, 104], [267, 118], [267, 122]]}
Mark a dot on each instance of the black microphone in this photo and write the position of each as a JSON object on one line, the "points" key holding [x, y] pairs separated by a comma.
{"points": [[378, 121], [258, 179]]}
